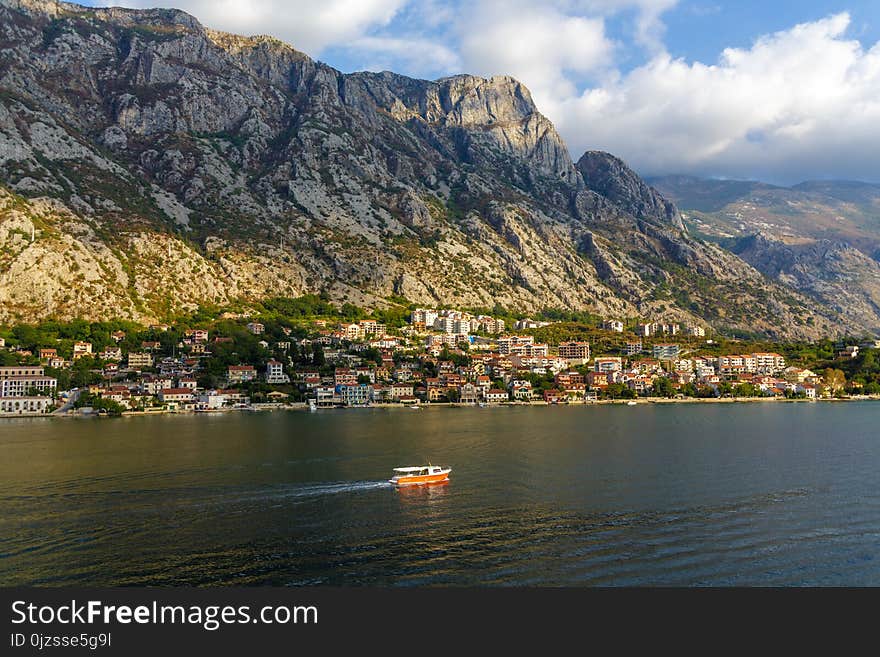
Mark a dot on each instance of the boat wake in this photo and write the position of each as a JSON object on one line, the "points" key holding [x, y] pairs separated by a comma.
{"points": [[335, 488]]}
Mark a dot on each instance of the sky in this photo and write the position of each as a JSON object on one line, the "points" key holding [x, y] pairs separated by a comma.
{"points": [[780, 91]]}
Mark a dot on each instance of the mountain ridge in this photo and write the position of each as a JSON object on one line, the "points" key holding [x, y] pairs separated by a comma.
{"points": [[270, 173]]}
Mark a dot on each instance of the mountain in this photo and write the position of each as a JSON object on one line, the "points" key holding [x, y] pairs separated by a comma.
{"points": [[820, 237], [149, 164]]}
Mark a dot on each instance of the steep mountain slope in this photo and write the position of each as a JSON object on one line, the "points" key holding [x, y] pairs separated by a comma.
{"points": [[158, 164]]}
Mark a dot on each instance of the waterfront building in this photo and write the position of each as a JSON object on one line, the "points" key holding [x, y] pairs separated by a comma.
{"points": [[355, 395], [240, 374], [25, 405], [25, 380]]}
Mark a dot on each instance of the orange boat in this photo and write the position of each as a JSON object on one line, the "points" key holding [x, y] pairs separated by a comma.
{"points": [[419, 475]]}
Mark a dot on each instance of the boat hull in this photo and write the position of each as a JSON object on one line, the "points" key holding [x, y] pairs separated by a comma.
{"points": [[420, 480]]}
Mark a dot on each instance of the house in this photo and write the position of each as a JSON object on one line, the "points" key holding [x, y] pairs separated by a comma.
{"points": [[640, 383], [138, 360], [240, 374], [847, 352], [81, 349], [614, 325], [399, 390], [646, 366], [368, 372], [496, 396], [554, 396], [575, 391], [111, 353], [326, 396], [176, 396], [808, 389], [46, 354], [151, 385], [633, 348], [599, 379], [197, 335], [344, 376], [119, 394], [509, 343], [275, 373], [468, 393], [608, 364], [351, 332], [528, 323], [256, 328], [372, 327], [798, 375], [683, 365], [211, 400], [118, 336], [188, 383], [521, 390]]}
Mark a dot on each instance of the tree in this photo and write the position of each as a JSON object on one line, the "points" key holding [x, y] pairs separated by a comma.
{"points": [[663, 387], [834, 380], [317, 354], [745, 390]]}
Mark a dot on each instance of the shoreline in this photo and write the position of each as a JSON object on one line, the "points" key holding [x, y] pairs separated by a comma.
{"points": [[302, 406]]}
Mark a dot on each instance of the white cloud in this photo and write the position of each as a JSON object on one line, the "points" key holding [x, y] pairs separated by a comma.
{"points": [[544, 48], [409, 56], [308, 25], [799, 103]]}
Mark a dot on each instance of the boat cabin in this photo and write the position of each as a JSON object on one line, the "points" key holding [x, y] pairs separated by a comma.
{"points": [[419, 471]]}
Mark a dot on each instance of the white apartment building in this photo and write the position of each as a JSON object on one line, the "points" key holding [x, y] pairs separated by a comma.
{"points": [[275, 373]]}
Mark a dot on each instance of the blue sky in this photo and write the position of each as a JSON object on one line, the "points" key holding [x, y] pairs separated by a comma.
{"points": [[781, 91]]}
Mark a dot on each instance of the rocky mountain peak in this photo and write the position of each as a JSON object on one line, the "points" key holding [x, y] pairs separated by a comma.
{"points": [[610, 176]]}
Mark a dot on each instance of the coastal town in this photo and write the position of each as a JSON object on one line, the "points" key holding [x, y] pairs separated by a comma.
{"points": [[434, 356]]}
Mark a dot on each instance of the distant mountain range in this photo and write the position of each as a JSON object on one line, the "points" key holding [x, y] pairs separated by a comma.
{"points": [[821, 237], [149, 164]]}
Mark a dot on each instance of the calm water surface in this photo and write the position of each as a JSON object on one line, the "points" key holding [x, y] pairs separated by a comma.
{"points": [[687, 494]]}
